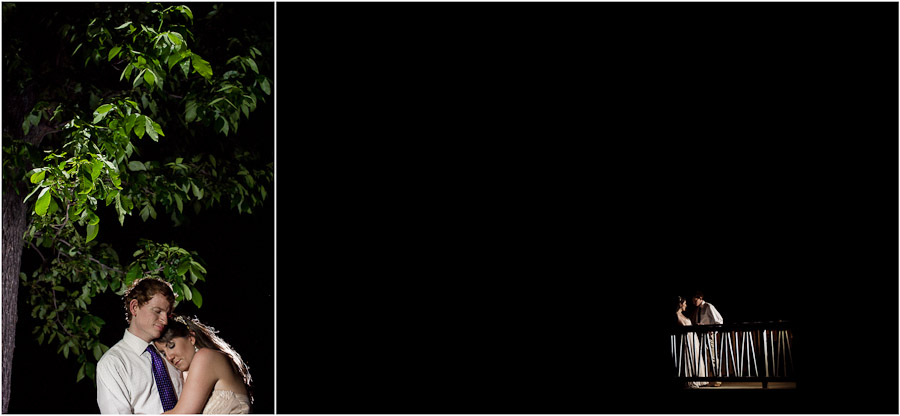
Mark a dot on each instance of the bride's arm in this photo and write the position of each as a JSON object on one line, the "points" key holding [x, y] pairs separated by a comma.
{"points": [[199, 383]]}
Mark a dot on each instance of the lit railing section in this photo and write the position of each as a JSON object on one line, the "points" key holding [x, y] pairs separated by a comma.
{"points": [[758, 351]]}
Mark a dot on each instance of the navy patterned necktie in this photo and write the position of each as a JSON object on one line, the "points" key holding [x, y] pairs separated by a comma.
{"points": [[163, 382]]}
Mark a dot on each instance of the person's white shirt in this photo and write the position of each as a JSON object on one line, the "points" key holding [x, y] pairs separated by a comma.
{"points": [[708, 315], [125, 378]]}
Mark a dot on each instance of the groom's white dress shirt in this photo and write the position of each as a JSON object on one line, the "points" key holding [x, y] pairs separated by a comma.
{"points": [[706, 314], [125, 378]]}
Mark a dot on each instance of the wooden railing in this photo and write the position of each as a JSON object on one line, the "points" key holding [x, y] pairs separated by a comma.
{"points": [[757, 351]]}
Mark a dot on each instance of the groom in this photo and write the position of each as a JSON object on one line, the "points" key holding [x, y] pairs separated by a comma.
{"points": [[131, 376], [706, 314]]}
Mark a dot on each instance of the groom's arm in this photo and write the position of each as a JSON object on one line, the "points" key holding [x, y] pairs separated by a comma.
{"points": [[111, 392], [716, 317]]}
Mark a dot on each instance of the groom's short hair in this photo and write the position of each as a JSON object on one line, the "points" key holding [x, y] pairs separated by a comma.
{"points": [[699, 294], [143, 290]]}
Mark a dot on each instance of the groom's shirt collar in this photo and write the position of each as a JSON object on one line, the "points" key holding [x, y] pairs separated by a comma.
{"points": [[134, 343]]}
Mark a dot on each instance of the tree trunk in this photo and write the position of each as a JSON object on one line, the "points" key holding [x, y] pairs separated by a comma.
{"points": [[14, 218]]}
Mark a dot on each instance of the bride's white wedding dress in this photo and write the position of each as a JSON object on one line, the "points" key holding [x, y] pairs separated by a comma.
{"points": [[691, 363], [227, 402]]}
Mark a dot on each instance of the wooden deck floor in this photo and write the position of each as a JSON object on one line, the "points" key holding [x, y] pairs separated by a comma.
{"points": [[734, 385]]}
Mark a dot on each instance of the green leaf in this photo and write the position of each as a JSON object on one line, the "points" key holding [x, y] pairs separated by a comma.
{"points": [[197, 192], [201, 66], [101, 111], [96, 169], [31, 193], [43, 202], [157, 128], [265, 86], [38, 177], [93, 219], [178, 202], [80, 373], [123, 25], [135, 166], [113, 52], [139, 79], [126, 73], [92, 230], [150, 129], [252, 64], [127, 204], [149, 77], [188, 293], [133, 274], [120, 209], [200, 268], [185, 67], [190, 111], [97, 352], [187, 11], [139, 126], [129, 122], [221, 125], [89, 369], [53, 207], [175, 37], [183, 268], [195, 296], [173, 60]]}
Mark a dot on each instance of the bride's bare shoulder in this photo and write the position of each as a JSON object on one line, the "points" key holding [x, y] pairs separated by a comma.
{"points": [[208, 357]]}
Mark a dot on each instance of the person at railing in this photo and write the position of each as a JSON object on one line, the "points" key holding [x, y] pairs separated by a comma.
{"points": [[690, 346], [707, 314]]}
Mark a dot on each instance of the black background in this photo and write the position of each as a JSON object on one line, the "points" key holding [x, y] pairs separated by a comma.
{"points": [[497, 202]]}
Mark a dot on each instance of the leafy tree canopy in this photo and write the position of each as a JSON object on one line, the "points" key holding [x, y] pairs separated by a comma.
{"points": [[135, 109]]}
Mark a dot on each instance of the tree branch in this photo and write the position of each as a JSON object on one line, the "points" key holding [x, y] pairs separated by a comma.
{"points": [[69, 205], [56, 308], [91, 258], [43, 259]]}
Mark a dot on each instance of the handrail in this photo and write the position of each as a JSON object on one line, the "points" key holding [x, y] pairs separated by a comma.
{"points": [[733, 326]]}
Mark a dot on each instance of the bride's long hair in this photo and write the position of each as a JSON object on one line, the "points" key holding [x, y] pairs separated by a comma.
{"points": [[205, 337]]}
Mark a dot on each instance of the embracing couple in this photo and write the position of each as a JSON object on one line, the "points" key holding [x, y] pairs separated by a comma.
{"points": [[167, 363], [694, 351]]}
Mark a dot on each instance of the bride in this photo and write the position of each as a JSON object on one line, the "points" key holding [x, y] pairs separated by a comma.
{"points": [[216, 378], [689, 345]]}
